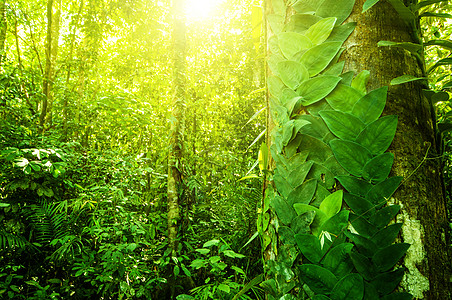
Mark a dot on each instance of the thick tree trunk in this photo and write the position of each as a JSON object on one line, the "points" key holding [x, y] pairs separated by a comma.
{"points": [[421, 193]]}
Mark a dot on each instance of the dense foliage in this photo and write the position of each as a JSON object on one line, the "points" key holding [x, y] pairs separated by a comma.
{"points": [[83, 177]]}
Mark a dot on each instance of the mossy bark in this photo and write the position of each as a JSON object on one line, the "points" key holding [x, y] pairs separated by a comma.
{"points": [[421, 194]]}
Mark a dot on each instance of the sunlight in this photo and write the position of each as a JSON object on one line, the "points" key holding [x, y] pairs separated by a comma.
{"points": [[200, 9]]}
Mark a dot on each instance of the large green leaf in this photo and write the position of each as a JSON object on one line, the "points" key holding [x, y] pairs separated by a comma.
{"points": [[292, 73], [398, 296], [342, 32], [359, 205], [310, 247], [303, 193], [378, 135], [370, 292], [384, 216], [317, 128], [306, 6], [343, 98], [343, 125], [364, 245], [354, 185], [286, 235], [319, 279], [368, 4], [370, 107], [360, 81], [332, 204], [291, 43], [338, 261], [319, 218], [284, 212], [363, 265], [379, 167], [298, 176], [337, 223], [321, 30], [362, 226], [387, 235], [317, 58], [351, 156], [381, 192], [300, 23], [273, 61], [302, 223], [279, 7], [317, 88], [386, 258], [324, 176], [275, 86], [349, 287], [281, 183], [387, 282], [336, 8], [276, 23]]}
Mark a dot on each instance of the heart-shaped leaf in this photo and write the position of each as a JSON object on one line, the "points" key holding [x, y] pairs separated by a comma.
{"points": [[332, 204], [379, 167], [292, 73], [320, 31], [317, 58], [349, 287], [351, 156], [354, 185], [319, 279], [291, 43], [317, 88], [378, 135], [310, 247], [338, 261], [343, 98], [370, 106], [343, 125]]}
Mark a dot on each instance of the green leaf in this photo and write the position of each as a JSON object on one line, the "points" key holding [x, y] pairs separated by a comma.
{"points": [[332, 204], [319, 279], [406, 78], [436, 15], [387, 282], [336, 69], [202, 250], [351, 156], [319, 218], [338, 261], [349, 287], [342, 32], [185, 297], [363, 265], [282, 185], [362, 226], [440, 97], [286, 235], [384, 216], [317, 88], [354, 185], [441, 62], [343, 125], [297, 176], [387, 235], [369, 107], [175, 271], [404, 12], [310, 247], [303, 193], [211, 243], [276, 23], [284, 212], [364, 245], [360, 81], [317, 58], [343, 98], [306, 6], [291, 43], [411, 47], [398, 296], [321, 30], [442, 43], [379, 167], [21, 162], [275, 86], [292, 73], [232, 254], [378, 135], [386, 258], [337, 223], [359, 205], [381, 192], [300, 23], [224, 287], [336, 8], [368, 4], [279, 7]]}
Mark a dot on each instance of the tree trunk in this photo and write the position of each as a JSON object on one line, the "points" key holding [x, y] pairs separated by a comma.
{"points": [[421, 193], [3, 29], [177, 126]]}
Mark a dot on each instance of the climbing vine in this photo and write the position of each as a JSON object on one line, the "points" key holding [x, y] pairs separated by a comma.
{"points": [[330, 184]]}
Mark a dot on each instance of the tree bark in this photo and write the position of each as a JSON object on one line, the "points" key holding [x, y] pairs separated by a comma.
{"points": [[177, 125], [421, 194]]}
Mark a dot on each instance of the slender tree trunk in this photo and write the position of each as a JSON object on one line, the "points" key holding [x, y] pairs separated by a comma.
{"points": [[47, 72], [53, 56], [177, 126], [421, 195], [3, 29]]}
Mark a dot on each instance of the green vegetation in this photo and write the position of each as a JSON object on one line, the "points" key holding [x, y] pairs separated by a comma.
{"points": [[222, 159]]}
